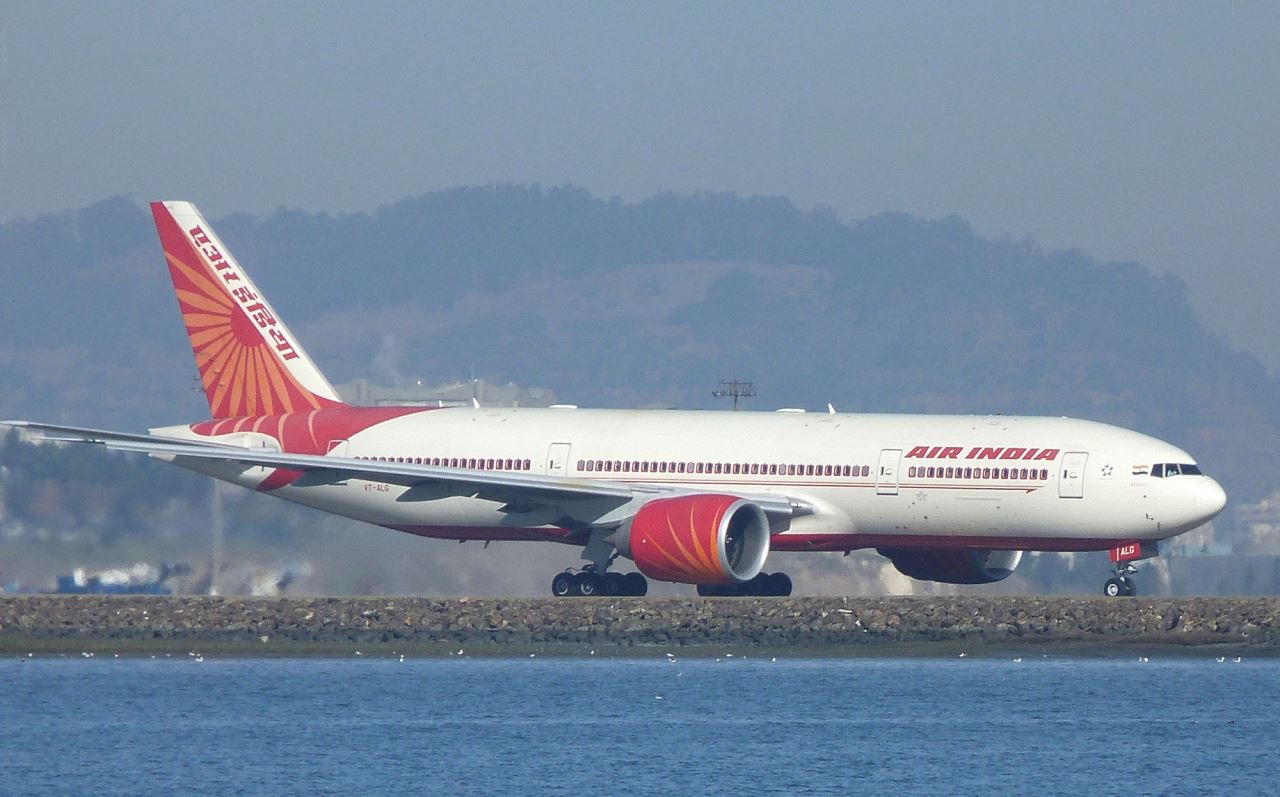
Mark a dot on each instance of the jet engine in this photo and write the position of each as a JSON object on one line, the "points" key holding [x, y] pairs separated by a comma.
{"points": [[953, 565], [697, 539]]}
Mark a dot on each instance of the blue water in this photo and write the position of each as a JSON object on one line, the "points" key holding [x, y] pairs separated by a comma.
{"points": [[518, 726]]}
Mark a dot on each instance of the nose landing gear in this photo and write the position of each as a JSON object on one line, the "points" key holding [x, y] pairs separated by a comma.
{"points": [[1121, 584]]}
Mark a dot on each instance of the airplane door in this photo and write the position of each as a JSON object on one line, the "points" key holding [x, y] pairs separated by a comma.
{"points": [[1071, 475], [558, 459], [887, 472]]}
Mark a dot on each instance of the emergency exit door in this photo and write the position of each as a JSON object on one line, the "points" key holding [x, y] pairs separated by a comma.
{"points": [[558, 459]]}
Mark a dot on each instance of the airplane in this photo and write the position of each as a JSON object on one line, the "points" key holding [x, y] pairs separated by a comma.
{"points": [[690, 497]]}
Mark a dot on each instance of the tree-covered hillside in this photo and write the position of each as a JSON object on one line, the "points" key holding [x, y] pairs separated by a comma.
{"points": [[639, 304]]}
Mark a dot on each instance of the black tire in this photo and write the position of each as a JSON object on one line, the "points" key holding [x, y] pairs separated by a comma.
{"points": [[635, 584], [779, 585], [756, 586], [562, 585], [589, 585], [1130, 588], [710, 591], [615, 584], [1114, 588]]}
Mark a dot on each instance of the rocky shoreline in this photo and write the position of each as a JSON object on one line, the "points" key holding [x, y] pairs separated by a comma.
{"points": [[301, 626]]}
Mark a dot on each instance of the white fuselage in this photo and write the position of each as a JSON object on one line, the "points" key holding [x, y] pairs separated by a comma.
{"points": [[995, 482]]}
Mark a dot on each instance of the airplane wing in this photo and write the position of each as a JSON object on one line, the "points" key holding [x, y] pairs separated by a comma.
{"points": [[425, 481]]}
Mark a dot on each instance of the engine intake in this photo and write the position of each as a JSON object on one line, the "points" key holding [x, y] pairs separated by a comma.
{"points": [[697, 539], [953, 565]]}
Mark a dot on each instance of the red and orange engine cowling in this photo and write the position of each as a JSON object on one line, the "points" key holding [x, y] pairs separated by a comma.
{"points": [[697, 539]]}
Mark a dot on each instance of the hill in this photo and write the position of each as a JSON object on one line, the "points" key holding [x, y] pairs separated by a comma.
{"points": [[644, 304]]}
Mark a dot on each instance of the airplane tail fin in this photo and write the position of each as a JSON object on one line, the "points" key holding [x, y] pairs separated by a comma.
{"points": [[249, 361]]}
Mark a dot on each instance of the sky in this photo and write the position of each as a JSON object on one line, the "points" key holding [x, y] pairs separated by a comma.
{"points": [[1133, 131]]}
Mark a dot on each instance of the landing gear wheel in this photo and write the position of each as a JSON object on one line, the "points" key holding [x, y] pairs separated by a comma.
{"points": [[1121, 584], [615, 584], [778, 585], [635, 584], [588, 585], [562, 586]]}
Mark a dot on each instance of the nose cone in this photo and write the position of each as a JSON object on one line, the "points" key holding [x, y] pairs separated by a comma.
{"points": [[1210, 498]]}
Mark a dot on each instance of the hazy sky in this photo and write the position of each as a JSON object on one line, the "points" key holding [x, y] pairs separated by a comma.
{"points": [[1131, 131]]}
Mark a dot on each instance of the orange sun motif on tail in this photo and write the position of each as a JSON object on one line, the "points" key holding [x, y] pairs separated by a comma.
{"points": [[241, 349]]}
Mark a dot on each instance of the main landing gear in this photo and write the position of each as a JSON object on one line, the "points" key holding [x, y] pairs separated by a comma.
{"points": [[588, 583], [773, 585], [1121, 584]]}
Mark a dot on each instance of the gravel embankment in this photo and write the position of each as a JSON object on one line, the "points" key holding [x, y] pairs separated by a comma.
{"points": [[299, 625]]}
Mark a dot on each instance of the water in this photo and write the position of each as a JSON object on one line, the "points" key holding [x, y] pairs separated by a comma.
{"points": [[517, 726]]}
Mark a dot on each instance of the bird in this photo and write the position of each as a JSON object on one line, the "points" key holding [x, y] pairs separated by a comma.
{"points": [[1237, 659], [1221, 659]]}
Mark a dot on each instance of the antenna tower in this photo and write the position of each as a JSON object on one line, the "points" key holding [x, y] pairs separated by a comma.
{"points": [[736, 389]]}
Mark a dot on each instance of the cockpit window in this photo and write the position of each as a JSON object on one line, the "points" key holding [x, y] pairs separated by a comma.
{"points": [[1174, 469]]}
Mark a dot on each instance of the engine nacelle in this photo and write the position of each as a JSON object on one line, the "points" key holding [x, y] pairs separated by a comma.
{"points": [[953, 565], [697, 539]]}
